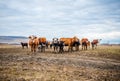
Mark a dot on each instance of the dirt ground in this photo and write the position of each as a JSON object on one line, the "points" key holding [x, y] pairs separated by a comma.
{"points": [[101, 64]]}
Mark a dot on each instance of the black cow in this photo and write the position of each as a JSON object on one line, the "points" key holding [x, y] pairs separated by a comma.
{"points": [[61, 46], [24, 45]]}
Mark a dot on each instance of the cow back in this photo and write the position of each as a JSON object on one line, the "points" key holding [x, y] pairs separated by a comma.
{"points": [[42, 40], [84, 40], [67, 41], [95, 41]]}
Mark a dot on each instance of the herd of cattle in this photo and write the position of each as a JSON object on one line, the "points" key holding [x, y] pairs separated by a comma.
{"points": [[58, 45]]}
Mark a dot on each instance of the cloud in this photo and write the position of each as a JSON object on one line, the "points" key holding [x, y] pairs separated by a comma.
{"points": [[61, 18]]}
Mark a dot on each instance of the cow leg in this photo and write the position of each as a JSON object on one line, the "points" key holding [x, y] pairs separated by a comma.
{"points": [[27, 47], [31, 48], [39, 48], [93, 46], [77, 48], [54, 48], [57, 48], [44, 49], [86, 47], [60, 49], [34, 48], [51, 46], [69, 48], [82, 47]]}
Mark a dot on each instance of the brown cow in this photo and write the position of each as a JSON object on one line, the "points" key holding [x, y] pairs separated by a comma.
{"points": [[33, 43], [85, 43], [76, 43], [42, 44], [70, 42], [67, 42], [94, 43]]}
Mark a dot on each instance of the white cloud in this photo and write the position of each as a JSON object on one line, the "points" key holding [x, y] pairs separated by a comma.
{"points": [[84, 18]]}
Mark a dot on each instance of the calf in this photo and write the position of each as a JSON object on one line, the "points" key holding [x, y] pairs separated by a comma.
{"points": [[24, 45]]}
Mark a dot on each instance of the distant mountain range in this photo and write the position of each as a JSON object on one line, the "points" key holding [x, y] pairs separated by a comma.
{"points": [[13, 39]]}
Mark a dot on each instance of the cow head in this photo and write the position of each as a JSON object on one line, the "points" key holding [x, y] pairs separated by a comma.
{"points": [[32, 37]]}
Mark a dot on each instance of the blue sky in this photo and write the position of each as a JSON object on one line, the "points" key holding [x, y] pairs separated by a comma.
{"points": [[61, 18]]}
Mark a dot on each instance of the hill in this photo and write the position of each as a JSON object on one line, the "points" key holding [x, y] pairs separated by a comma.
{"points": [[13, 39]]}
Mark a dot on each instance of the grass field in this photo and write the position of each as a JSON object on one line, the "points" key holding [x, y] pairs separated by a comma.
{"points": [[101, 64]]}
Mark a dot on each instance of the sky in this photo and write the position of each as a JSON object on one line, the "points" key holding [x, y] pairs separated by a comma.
{"points": [[93, 19]]}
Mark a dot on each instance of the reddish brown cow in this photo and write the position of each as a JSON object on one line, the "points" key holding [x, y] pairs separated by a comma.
{"points": [[76, 43], [42, 43], [85, 43], [33, 43], [94, 43]]}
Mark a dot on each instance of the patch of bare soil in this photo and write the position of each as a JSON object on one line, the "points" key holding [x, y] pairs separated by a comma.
{"points": [[18, 64]]}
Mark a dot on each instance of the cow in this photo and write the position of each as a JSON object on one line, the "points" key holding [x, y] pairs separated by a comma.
{"points": [[47, 44], [24, 45], [94, 43], [85, 43], [76, 43], [55, 44], [67, 42], [70, 42], [61, 46], [33, 43], [51, 45], [42, 44]]}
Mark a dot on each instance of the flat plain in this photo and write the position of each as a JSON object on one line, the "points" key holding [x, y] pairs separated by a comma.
{"points": [[101, 64]]}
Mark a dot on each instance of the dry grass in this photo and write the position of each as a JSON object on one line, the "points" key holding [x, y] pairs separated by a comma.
{"points": [[17, 64]]}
